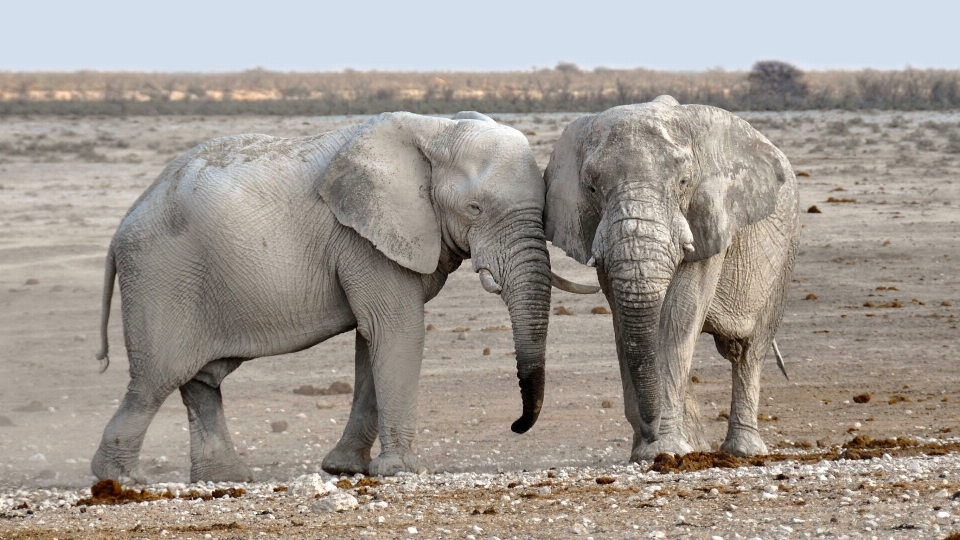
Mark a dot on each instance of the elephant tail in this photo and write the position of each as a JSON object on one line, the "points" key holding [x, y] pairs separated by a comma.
{"points": [[110, 274], [776, 352]]}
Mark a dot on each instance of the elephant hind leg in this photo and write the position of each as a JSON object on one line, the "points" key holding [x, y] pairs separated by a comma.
{"points": [[118, 456], [212, 454], [746, 355], [352, 453]]}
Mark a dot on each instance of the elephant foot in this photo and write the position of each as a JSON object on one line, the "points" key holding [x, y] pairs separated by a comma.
{"points": [[670, 444], [230, 469], [341, 461], [125, 471], [391, 464], [744, 443]]}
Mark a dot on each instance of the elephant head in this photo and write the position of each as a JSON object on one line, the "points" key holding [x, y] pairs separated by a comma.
{"points": [[639, 189], [427, 190]]}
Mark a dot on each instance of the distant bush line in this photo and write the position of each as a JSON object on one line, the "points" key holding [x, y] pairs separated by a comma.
{"points": [[769, 86]]}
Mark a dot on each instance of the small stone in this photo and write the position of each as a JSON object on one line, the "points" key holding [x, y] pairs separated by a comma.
{"points": [[606, 404], [37, 457], [486, 351], [412, 531], [279, 426], [462, 336], [943, 515], [308, 485], [600, 310], [336, 502], [578, 529], [656, 534], [32, 281]]}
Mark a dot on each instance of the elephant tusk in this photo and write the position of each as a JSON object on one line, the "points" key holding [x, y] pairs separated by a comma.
{"points": [[569, 286], [592, 262], [489, 284], [688, 247]]}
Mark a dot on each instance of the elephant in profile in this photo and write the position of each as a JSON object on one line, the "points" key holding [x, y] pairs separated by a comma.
{"points": [[691, 218], [251, 246]]}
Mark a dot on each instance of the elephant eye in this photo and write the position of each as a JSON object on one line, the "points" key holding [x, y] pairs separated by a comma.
{"points": [[592, 189], [474, 208]]}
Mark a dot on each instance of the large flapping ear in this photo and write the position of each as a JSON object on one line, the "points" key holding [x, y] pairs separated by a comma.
{"points": [[570, 222], [741, 173], [379, 184], [472, 115]]}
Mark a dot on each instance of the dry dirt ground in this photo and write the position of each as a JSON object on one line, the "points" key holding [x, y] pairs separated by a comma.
{"points": [[874, 309]]}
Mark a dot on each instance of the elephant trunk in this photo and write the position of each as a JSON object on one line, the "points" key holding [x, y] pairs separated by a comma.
{"points": [[525, 280], [638, 270]]}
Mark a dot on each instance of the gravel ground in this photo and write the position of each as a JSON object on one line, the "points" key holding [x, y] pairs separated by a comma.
{"points": [[885, 497]]}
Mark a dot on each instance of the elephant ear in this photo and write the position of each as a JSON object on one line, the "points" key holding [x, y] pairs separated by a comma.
{"points": [[741, 173], [569, 221], [379, 184], [472, 115]]}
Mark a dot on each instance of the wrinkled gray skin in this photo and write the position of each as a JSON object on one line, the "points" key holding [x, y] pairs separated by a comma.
{"points": [[691, 218], [253, 246]]}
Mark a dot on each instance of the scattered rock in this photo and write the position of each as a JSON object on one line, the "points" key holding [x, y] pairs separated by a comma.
{"points": [[862, 398], [431, 328], [814, 210], [562, 310], [32, 281], [33, 406], [279, 426], [308, 485], [335, 388], [695, 380], [810, 296], [462, 336], [486, 351], [946, 303], [897, 398], [600, 310], [335, 502], [324, 405], [47, 474], [606, 404], [603, 480]]}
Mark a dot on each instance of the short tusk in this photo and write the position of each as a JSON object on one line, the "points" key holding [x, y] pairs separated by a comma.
{"points": [[592, 263], [569, 286], [688, 247], [489, 284]]}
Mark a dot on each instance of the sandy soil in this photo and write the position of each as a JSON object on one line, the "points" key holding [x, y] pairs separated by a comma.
{"points": [[873, 309]]}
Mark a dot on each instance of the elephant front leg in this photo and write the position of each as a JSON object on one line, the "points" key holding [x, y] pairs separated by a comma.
{"points": [[681, 321], [212, 453], [396, 371], [352, 453]]}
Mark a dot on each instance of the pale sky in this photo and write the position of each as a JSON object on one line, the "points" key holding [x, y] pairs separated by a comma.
{"points": [[478, 35]]}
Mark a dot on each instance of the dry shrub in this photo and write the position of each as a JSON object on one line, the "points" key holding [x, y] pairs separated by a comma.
{"points": [[862, 398], [897, 398], [604, 480], [695, 380], [600, 310], [803, 174], [562, 310], [810, 296], [814, 210], [841, 200]]}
